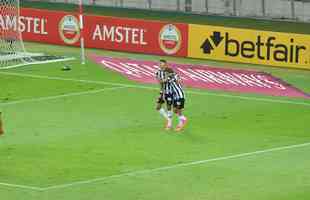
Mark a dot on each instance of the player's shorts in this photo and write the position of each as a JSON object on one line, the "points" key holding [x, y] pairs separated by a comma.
{"points": [[179, 103], [161, 99], [168, 98]]}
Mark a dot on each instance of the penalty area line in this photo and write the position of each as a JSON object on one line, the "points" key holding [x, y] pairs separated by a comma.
{"points": [[21, 186], [39, 99], [149, 171], [170, 167]]}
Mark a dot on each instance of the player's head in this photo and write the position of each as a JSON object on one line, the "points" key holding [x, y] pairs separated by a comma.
{"points": [[162, 63]]}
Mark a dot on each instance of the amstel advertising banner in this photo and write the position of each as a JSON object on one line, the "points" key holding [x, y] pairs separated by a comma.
{"points": [[249, 46], [151, 37], [160, 38], [141, 36]]}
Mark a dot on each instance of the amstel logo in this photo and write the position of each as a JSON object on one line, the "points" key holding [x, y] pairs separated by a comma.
{"points": [[170, 39], [69, 30]]}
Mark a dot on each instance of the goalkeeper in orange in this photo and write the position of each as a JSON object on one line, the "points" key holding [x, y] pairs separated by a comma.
{"points": [[1, 125]]}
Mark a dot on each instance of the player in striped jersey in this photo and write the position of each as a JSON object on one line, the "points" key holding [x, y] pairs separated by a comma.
{"points": [[178, 99], [165, 95]]}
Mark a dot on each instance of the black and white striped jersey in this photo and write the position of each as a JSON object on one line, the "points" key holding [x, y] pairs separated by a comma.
{"points": [[162, 75], [176, 87]]}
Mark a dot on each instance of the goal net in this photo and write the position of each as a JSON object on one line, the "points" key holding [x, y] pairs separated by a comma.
{"points": [[12, 50]]}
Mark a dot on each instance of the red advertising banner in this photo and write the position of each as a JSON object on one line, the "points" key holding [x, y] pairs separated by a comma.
{"points": [[45, 26], [121, 34]]}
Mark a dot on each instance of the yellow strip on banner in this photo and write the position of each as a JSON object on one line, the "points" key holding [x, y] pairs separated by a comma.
{"points": [[249, 46]]}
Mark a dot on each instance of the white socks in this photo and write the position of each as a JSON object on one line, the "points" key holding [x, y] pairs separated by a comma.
{"points": [[182, 118], [169, 114], [164, 113]]}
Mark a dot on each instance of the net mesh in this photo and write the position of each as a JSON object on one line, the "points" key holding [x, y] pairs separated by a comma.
{"points": [[12, 50]]}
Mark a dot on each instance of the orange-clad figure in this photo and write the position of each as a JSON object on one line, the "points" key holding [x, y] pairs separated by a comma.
{"points": [[1, 125]]}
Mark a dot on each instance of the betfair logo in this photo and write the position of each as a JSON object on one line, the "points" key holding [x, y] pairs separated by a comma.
{"points": [[262, 48], [207, 46]]}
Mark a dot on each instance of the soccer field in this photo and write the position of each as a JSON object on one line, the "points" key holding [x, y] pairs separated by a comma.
{"points": [[91, 134]]}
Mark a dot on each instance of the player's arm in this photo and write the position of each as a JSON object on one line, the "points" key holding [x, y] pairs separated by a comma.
{"points": [[161, 87], [173, 76], [178, 79]]}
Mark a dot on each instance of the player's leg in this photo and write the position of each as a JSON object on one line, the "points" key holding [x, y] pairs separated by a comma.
{"points": [[169, 103], [178, 109], [159, 108], [1, 125]]}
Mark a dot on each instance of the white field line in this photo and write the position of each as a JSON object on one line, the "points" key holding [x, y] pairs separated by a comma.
{"points": [[154, 88], [39, 62], [21, 186], [170, 167], [62, 96], [148, 171]]}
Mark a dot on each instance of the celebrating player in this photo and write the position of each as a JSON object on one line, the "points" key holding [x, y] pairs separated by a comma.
{"points": [[178, 99], [165, 93]]}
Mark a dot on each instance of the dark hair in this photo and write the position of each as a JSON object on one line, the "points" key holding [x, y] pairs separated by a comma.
{"points": [[163, 61]]}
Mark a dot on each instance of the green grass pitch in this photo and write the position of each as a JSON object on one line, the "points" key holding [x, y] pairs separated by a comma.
{"points": [[80, 135]]}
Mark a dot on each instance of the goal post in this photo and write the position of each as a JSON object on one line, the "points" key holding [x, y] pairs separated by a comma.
{"points": [[12, 51], [82, 31]]}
